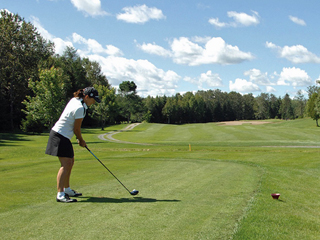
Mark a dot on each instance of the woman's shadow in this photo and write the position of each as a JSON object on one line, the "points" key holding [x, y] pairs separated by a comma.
{"points": [[122, 200]]}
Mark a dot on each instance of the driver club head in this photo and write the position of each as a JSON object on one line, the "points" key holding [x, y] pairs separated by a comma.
{"points": [[134, 192]]}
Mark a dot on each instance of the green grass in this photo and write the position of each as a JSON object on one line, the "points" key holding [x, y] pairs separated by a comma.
{"points": [[219, 190]]}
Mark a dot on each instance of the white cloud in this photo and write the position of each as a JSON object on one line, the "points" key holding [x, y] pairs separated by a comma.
{"points": [[89, 7], [211, 51], [215, 51], [211, 79], [270, 89], [271, 45], [295, 54], [299, 54], [258, 77], [295, 77], [202, 40], [113, 51], [149, 79], [244, 19], [152, 48], [94, 47], [60, 44], [297, 21], [185, 51], [78, 38], [217, 23], [239, 19], [243, 86], [140, 14]]}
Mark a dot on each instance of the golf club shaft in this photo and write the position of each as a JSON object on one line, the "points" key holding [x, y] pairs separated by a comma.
{"points": [[108, 169]]}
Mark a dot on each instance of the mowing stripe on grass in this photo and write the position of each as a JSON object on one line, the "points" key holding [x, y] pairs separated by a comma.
{"points": [[200, 194], [178, 200]]}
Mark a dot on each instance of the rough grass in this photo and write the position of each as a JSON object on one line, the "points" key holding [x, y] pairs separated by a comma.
{"points": [[219, 190]]}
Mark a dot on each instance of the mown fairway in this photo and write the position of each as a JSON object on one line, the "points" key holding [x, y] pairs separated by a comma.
{"points": [[218, 190]]}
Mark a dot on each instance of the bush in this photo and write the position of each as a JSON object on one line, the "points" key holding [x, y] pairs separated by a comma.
{"points": [[32, 126]]}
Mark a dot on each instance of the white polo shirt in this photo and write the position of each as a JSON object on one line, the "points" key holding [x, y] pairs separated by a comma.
{"points": [[74, 110]]}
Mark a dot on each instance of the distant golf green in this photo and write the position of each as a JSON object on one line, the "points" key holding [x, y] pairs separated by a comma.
{"points": [[196, 181]]}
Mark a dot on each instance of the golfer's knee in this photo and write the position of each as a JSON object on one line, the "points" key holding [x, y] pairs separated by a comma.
{"points": [[67, 163], [70, 164]]}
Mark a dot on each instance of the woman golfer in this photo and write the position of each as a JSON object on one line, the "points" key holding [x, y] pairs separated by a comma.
{"points": [[59, 143]]}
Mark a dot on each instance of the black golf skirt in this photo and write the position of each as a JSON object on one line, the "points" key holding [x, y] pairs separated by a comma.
{"points": [[59, 145]]}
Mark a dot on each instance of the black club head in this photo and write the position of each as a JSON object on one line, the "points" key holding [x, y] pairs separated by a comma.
{"points": [[134, 192]]}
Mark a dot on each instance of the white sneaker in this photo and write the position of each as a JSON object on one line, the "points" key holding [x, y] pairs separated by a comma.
{"points": [[73, 193], [66, 199]]}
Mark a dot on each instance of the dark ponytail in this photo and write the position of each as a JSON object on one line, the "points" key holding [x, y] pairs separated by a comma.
{"points": [[79, 93]]}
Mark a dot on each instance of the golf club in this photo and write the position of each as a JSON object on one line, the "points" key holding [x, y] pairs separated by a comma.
{"points": [[133, 192]]}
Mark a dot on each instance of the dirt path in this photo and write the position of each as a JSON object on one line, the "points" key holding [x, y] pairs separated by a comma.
{"points": [[109, 135]]}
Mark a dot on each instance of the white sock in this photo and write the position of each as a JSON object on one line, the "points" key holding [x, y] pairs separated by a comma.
{"points": [[67, 189], [60, 195]]}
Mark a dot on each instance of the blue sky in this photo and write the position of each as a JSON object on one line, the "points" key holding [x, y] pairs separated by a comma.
{"points": [[168, 47]]}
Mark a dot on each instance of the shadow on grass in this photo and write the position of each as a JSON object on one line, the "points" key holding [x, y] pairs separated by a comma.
{"points": [[11, 139], [122, 200]]}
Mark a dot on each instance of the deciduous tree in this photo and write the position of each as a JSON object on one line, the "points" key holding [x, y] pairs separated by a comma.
{"points": [[47, 99], [21, 50], [107, 109], [313, 107]]}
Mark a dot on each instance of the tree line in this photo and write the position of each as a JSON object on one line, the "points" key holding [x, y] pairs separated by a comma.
{"points": [[216, 106], [36, 84]]}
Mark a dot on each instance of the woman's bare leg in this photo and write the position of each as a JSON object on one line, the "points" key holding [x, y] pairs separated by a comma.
{"points": [[63, 177]]}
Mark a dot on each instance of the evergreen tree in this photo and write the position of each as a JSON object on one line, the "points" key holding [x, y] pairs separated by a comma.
{"points": [[286, 109], [129, 101], [73, 67]]}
